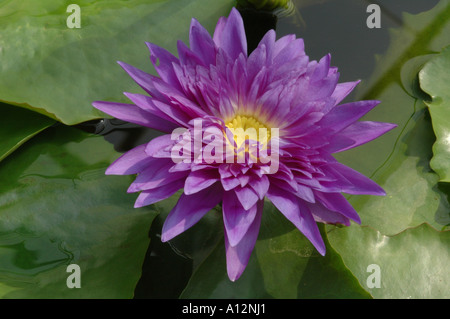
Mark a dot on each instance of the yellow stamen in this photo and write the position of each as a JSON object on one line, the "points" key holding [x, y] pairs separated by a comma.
{"points": [[248, 128]]}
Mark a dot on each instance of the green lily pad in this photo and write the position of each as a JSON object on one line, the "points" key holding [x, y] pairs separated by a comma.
{"points": [[413, 264], [59, 71], [405, 233], [434, 80], [413, 194], [57, 208], [399, 160], [284, 264], [17, 126]]}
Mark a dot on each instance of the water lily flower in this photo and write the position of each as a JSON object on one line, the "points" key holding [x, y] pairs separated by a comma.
{"points": [[279, 119]]}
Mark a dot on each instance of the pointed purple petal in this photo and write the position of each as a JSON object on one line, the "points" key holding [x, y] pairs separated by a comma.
{"points": [[337, 203], [132, 113], [201, 43], [260, 185], [231, 37], [167, 112], [322, 214], [142, 78], [287, 49], [342, 90], [359, 184], [156, 175], [305, 193], [298, 213], [162, 61], [132, 162], [236, 219], [358, 134], [189, 210], [199, 180], [321, 70], [246, 196], [239, 255], [155, 195], [159, 144], [219, 29], [344, 115], [230, 183]]}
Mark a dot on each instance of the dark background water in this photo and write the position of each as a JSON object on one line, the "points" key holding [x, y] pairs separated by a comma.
{"points": [[327, 26]]}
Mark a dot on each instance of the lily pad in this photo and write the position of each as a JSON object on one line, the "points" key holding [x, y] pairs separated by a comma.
{"points": [[399, 161], [58, 71], [17, 126], [404, 233], [413, 264], [434, 80], [57, 208]]}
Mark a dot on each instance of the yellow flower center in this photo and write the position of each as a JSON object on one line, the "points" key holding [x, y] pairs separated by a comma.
{"points": [[248, 128]]}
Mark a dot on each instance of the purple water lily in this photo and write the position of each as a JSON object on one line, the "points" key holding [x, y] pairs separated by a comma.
{"points": [[276, 88]]}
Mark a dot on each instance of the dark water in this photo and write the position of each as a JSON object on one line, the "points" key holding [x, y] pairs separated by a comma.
{"points": [[334, 26]]}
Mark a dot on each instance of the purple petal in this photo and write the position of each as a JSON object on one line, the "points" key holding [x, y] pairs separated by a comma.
{"points": [[178, 101], [142, 78], [342, 90], [337, 203], [239, 255], [359, 184], [199, 180], [344, 115], [146, 103], [321, 70], [230, 183], [305, 193], [201, 43], [188, 57], [298, 213], [231, 37], [132, 162], [268, 41], [155, 195], [158, 144], [260, 185], [162, 61], [156, 175], [287, 49], [237, 220], [357, 134], [189, 210], [246, 196], [322, 214], [255, 63], [132, 113], [219, 29]]}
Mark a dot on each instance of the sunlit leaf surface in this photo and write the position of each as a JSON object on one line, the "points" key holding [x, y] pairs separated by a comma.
{"points": [[56, 70]]}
